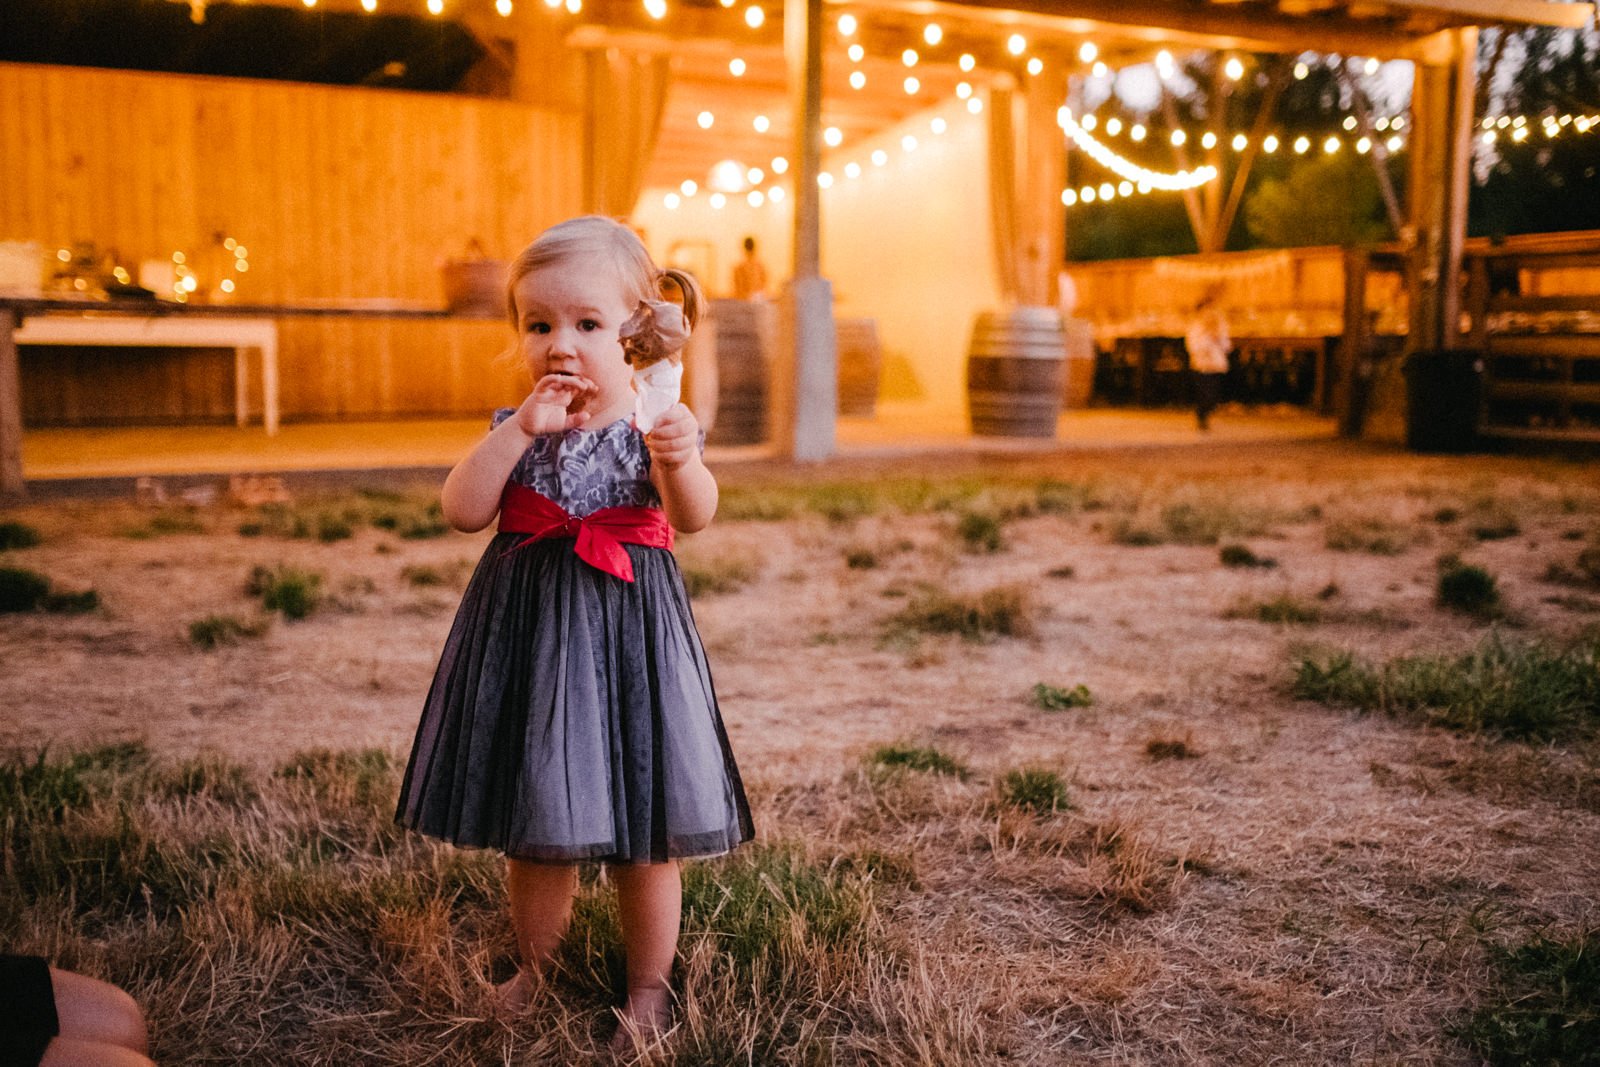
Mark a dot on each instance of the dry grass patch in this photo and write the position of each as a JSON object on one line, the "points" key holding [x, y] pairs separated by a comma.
{"points": [[1003, 611]]}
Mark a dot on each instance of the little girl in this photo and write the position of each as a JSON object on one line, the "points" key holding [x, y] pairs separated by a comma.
{"points": [[572, 715]]}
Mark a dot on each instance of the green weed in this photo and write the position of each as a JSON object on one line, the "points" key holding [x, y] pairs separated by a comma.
{"points": [[1004, 611], [17, 535], [214, 631], [294, 592], [1467, 589], [1034, 789], [980, 532], [1053, 698], [914, 758]]}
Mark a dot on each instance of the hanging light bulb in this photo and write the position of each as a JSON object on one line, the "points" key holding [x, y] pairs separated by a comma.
{"points": [[688, 188], [755, 175], [966, 62], [1138, 131], [1301, 145], [1233, 68], [1113, 126], [754, 17], [833, 136], [911, 86], [858, 80], [1301, 72], [755, 198], [1087, 51], [1239, 142], [761, 123], [705, 119], [1269, 144], [932, 33], [1164, 65], [656, 9], [879, 157], [1178, 137], [1035, 65], [1069, 197], [847, 25], [736, 67], [671, 201], [779, 165], [1331, 145], [501, 6], [963, 90], [909, 57], [1208, 140], [1016, 44], [857, 53]]}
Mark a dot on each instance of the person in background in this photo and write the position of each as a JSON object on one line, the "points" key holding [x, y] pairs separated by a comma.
{"points": [[1208, 342], [55, 1018], [749, 274]]}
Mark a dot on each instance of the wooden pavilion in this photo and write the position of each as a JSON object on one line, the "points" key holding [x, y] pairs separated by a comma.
{"points": [[355, 195]]}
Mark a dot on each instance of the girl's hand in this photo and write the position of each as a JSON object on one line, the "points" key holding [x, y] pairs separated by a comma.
{"points": [[556, 404], [675, 441]]}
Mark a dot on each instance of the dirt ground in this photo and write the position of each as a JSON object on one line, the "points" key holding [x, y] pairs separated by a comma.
{"points": [[1330, 875]]}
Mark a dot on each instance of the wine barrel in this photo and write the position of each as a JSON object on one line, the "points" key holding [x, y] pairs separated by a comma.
{"points": [[1079, 376], [745, 333], [859, 361], [1015, 371]]}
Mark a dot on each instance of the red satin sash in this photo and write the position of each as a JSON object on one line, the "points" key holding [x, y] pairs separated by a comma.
{"points": [[599, 535]]}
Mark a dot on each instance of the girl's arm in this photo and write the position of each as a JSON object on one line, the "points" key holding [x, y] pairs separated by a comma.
{"points": [[688, 491], [471, 496]]}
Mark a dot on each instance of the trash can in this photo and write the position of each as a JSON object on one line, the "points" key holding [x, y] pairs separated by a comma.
{"points": [[1444, 392]]}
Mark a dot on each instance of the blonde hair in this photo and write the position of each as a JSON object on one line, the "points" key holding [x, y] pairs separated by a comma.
{"points": [[598, 237]]}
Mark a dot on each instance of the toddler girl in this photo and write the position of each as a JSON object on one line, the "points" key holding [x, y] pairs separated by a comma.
{"points": [[572, 715]]}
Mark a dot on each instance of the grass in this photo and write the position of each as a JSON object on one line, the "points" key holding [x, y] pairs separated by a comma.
{"points": [[1170, 748], [726, 574], [1036, 790], [1237, 555], [1544, 1006], [860, 559], [899, 756], [165, 522], [15, 535], [1004, 611], [1467, 589], [282, 918], [1053, 698], [1528, 690], [22, 590], [1378, 537], [214, 631], [980, 532], [283, 588], [1284, 608]]}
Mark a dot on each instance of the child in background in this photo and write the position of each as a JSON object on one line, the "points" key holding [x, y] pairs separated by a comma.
{"points": [[572, 716]]}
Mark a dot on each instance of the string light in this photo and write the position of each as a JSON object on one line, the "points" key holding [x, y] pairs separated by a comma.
{"points": [[435, 7], [963, 90], [369, 6], [761, 123], [879, 157], [911, 86], [938, 125], [754, 17], [718, 201], [1233, 69], [857, 53], [1016, 44], [1208, 140], [1301, 145], [847, 25], [974, 106], [502, 6], [736, 67], [1301, 72], [656, 9], [671, 201], [858, 80], [1269, 144], [1164, 65], [909, 143], [1101, 70], [1126, 168], [779, 165], [1240, 142], [755, 175], [1138, 131], [755, 198], [705, 119], [775, 194], [1331, 145], [833, 136], [1178, 138], [932, 33], [852, 169], [1035, 65], [909, 57], [1087, 51], [1113, 126], [966, 62]]}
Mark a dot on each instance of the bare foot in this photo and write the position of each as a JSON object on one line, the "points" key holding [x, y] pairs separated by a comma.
{"points": [[513, 996], [643, 1021]]}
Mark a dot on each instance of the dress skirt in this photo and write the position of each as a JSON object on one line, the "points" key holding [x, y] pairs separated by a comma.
{"points": [[572, 716]]}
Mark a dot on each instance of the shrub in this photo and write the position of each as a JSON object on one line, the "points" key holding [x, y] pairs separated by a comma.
{"points": [[979, 532], [1283, 608], [1237, 555], [1544, 1006], [294, 592], [1496, 528], [1134, 535], [17, 535], [22, 589], [333, 527], [1034, 789], [913, 758], [1004, 611], [1064, 571], [1533, 690], [1445, 516], [214, 630], [1051, 698], [1466, 588], [71, 603]]}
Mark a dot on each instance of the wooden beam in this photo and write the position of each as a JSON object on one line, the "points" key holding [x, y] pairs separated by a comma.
{"points": [[12, 487], [1505, 12]]}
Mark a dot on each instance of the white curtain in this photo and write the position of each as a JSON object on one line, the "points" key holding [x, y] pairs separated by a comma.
{"points": [[627, 95]]}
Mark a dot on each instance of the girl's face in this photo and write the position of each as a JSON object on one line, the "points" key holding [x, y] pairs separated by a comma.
{"points": [[568, 320]]}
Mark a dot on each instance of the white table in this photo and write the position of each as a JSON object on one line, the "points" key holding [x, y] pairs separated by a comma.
{"points": [[239, 334]]}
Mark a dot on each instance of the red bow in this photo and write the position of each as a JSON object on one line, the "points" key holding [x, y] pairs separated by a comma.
{"points": [[599, 535]]}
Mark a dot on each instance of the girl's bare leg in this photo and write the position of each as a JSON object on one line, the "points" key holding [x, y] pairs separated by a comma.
{"points": [[650, 898], [541, 907]]}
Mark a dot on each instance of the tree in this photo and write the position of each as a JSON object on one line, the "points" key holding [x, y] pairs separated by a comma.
{"points": [[1329, 200]]}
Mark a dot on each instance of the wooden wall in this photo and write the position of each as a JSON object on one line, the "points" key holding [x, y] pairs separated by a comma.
{"points": [[337, 193]]}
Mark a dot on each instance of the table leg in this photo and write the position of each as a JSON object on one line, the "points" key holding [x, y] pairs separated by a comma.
{"points": [[269, 384], [12, 487], [241, 401]]}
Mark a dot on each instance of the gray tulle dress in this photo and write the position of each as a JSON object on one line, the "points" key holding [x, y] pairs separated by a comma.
{"points": [[572, 715]]}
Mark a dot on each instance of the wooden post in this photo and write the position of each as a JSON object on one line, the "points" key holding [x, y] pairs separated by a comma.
{"points": [[12, 486], [804, 394], [1441, 156], [1353, 345]]}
